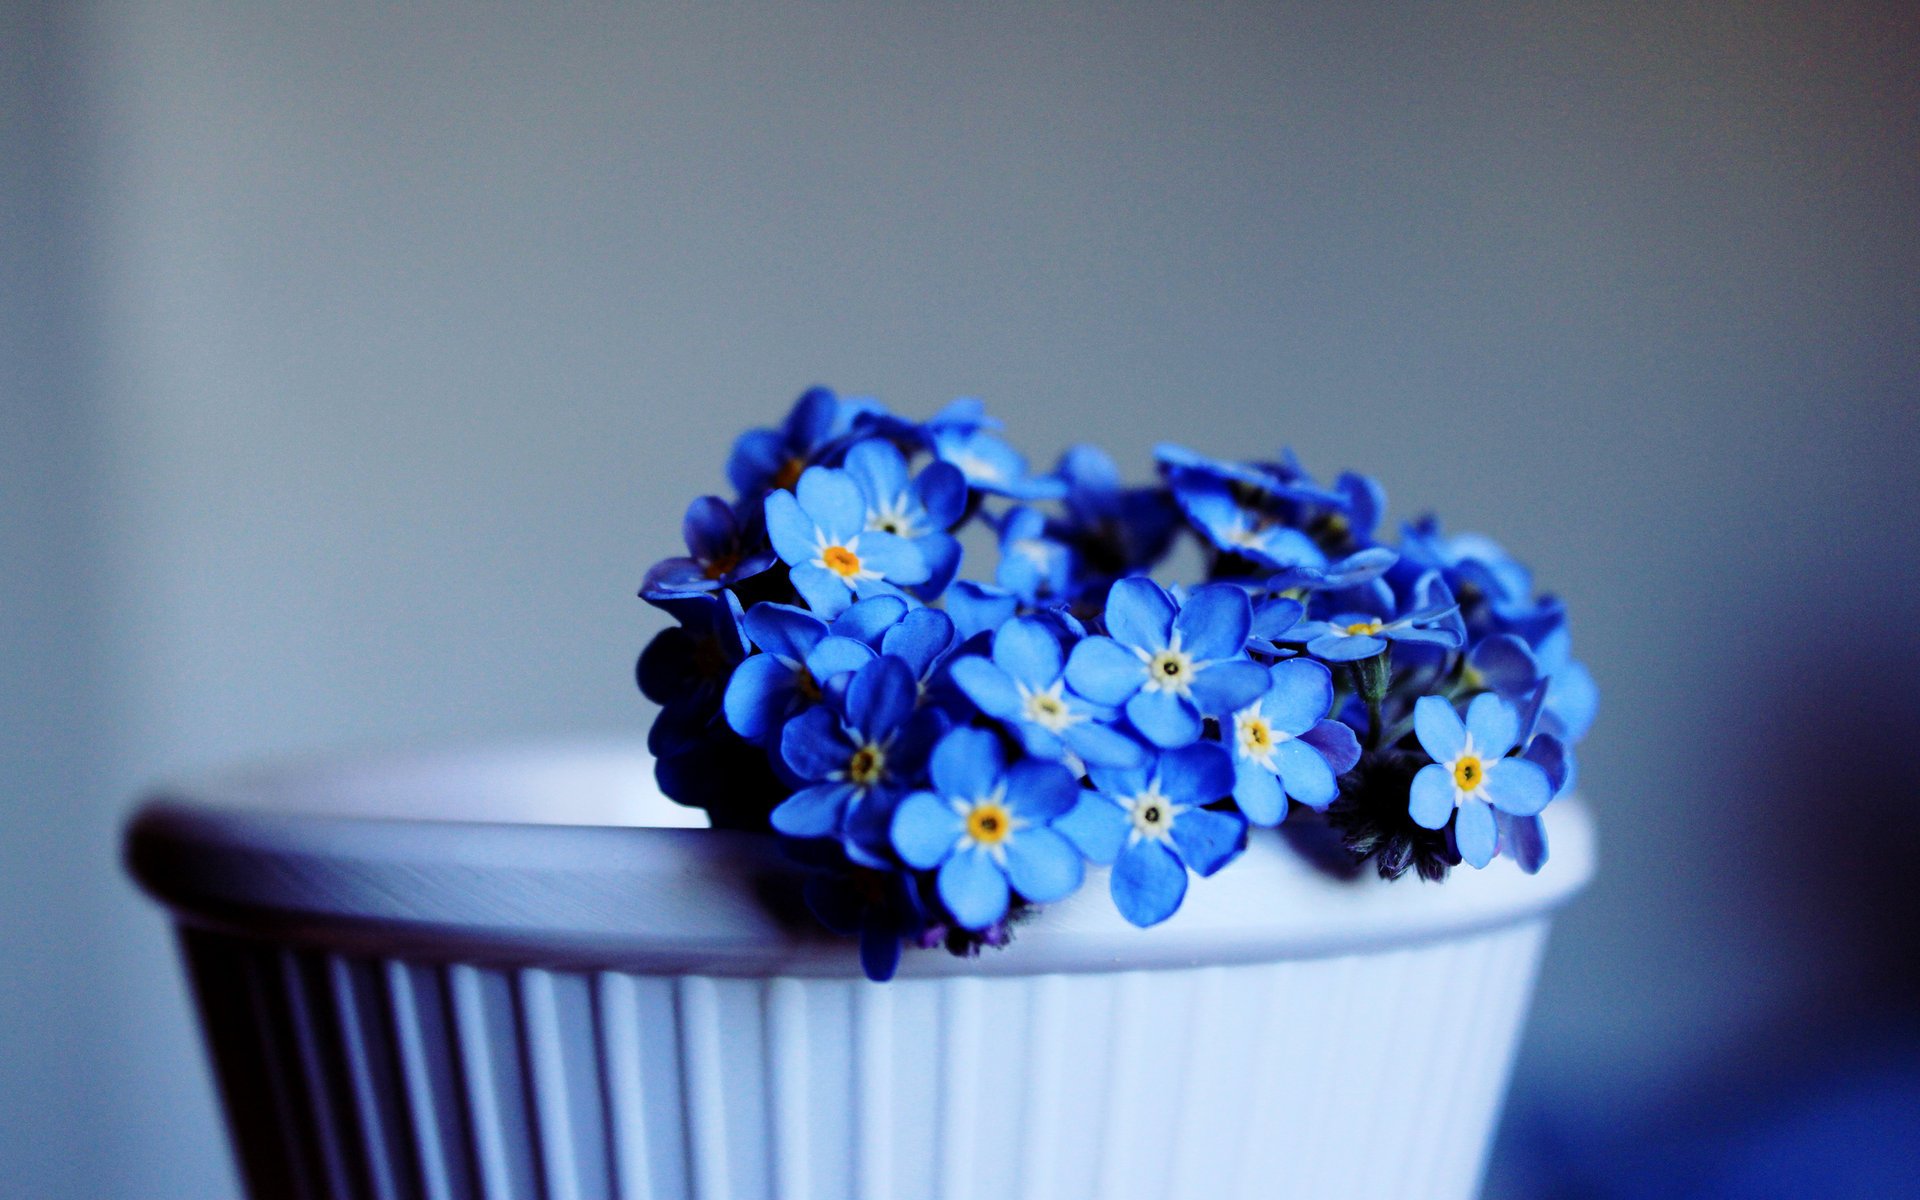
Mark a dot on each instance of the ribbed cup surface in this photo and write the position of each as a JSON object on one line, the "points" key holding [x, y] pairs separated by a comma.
{"points": [[1368, 1075]]}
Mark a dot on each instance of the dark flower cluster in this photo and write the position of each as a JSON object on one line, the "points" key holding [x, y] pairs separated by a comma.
{"points": [[945, 753]]}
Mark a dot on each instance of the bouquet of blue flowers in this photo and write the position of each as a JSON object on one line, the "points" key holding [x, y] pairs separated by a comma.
{"points": [[945, 753]]}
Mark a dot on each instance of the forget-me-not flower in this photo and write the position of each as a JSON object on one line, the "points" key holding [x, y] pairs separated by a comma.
{"points": [[922, 509], [1168, 663], [1471, 773], [720, 550], [1023, 685], [820, 531], [1273, 755], [799, 654], [984, 824]]}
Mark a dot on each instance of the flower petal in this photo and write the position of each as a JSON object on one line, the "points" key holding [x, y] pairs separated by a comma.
{"points": [[922, 636], [1305, 774], [825, 592], [1494, 725], [1140, 613], [1197, 774], [868, 620], [1213, 622], [1028, 651], [1104, 671], [1340, 647], [790, 529], [942, 491], [973, 889], [1165, 718], [1257, 792], [783, 629], [833, 502], [1209, 840], [881, 696], [879, 469], [1517, 786], [1221, 687], [1474, 833], [1043, 865], [1040, 791], [1096, 826], [837, 654], [977, 607], [1299, 693], [709, 528], [1441, 733], [1336, 743], [1148, 883], [987, 686], [1103, 746], [813, 745], [1524, 839], [759, 695], [967, 764], [895, 558], [1430, 799], [813, 811], [925, 830]]}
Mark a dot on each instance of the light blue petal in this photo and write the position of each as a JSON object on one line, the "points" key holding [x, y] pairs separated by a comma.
{"points": [[978, 607], [825, 592], [1299, 693], [942, 491], [1524, 839], [1220, 688], [784, 629], [867, 620], [1258, 793], [1517, 786], [922, 636], [879, 469], [895, 558], [987, 686], [1209, 840], [1140, 613], [1096, 826], [974, 889], [1148, 883], [836, 654], [759, 696], [1574, 698], [833, 502], [1104, 746], [881, 696], [1123, 780], [1039, 791], [1214, 621], [1104, 671], [1474, 833], [1197, 774], [789, 528], [925, 830], [942, 554], [814, 811], [967, 764], [1430, 800], [1494, 725], [1336, 743], [1165, 719], [1305, 774], [1340, 647], [1028, 651], [812, 744], [1441, 733], [1043, 865]]}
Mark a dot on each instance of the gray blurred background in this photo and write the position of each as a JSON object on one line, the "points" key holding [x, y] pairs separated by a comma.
{"points": [[355, 363]]}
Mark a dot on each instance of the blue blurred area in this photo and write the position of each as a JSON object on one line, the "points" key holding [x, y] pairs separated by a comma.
{"points": [[355, 361]]}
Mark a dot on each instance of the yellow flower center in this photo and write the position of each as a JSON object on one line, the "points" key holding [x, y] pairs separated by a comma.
{"points": [[789, 473], [1257, 734], [989, 823], [1365, 628], [841, 561], [1468, 772], [867, 765]]}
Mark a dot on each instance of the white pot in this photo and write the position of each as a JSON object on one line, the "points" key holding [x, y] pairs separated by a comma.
{"points": [[485, 975]]}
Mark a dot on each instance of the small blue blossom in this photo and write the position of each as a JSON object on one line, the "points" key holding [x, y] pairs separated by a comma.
{"points": [[978, 608], [1358, 569], [1033, 565], [1352, 636], [1217, 506], [1151, 823], [720, 551], [921, 509], [800, 653], [984, 825], [820, 531], [767, 459], [856, 755], [1275, 754], [1169, 664], [1471, 773], [989, 464], [1023, 686]]}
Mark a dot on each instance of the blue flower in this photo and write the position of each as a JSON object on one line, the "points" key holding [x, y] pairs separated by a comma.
{"points": [[767, 459], [1219, 508], [1472, 774], [820, 531], [979, 607], [1358, 569], [856, 754], [1023, 685], [989, 464], [1169, 664], [687, 666], [1033, 565], [720, 551], [1352, 636], [922, 510], [1151, 823], [1117, 530], [1275, 754], [800, 653], [985, 826]]}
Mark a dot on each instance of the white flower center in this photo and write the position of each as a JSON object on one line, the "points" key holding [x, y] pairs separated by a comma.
{"points": [[895, 516], [1169, 669], [1048, 707], [1152, 814]]}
